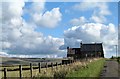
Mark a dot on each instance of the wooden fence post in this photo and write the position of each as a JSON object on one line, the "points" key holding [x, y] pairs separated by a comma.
{"points": [[20, 68], [61, 64], [66, 63], [52, 66], [56, 65], [46, 66], [5, 73], [31, 69], [69, 62], [39, 64]]}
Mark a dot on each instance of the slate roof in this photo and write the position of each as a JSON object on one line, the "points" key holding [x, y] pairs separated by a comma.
{"points": [[74, 48], [92, 47]]}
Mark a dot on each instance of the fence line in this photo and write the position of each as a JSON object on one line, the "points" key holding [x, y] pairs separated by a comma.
{"points": [[39, 67]]}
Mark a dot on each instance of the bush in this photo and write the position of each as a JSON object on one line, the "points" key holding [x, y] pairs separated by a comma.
{"points": [[60, 74], [118, 59], [75, 68], [42, 76]]}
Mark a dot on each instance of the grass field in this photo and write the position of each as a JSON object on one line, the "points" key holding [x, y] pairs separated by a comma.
{"points": [[25, 73], [7, 61], [77, 69], [116, 58], [93, 69], [13, 63]]}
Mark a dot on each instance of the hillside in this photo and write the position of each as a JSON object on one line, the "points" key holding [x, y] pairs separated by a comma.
{"points": [[26, 61]]}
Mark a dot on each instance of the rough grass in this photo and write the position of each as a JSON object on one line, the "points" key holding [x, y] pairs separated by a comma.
{"points": [[72, 69], [25, 73], [118, 60], [93, 69], [77, 69]]}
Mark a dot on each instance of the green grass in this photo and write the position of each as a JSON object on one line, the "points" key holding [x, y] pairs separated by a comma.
{"points": [[118, 60], [25, 73], [93, 70], [115, 58]]}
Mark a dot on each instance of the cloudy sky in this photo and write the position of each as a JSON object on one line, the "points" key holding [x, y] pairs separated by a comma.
{"points": [[45, 29]]}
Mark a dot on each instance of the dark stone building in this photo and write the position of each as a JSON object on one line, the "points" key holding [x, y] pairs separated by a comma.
{"points": [[74, 52], [86, 50]]}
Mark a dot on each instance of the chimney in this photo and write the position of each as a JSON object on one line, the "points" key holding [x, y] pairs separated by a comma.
{"points": [[68, 47], [81, 44], [67, 51]]}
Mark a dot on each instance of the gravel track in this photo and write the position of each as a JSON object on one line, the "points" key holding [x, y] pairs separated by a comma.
{"points": [[110, 69]]}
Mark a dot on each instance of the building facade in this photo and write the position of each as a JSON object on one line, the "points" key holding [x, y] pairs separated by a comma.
{"points": [[86, 50]]}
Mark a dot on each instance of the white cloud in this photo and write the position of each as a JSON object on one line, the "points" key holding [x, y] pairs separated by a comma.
{"points": [[100, 10], [45, 19], [98, 0], [83, 6], [100, 13], [12, 10], [78, 21], [41, 17], [11, 20], [37, 7], [3, 54], [20, 37], [98, 19], [104, 10], [6, 45], [27, 41], [91, 32]]}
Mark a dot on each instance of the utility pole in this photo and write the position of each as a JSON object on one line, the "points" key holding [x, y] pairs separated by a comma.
{"points": [[116, 49]]}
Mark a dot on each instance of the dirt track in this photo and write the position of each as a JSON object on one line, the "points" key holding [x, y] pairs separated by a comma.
{"points": [[110, 69]]}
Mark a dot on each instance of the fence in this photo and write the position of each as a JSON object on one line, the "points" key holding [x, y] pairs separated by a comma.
{"points": [[20, 69]]}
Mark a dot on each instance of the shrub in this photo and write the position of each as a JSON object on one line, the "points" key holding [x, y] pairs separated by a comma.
{"points": [[60, 74], [42, 76], [77, 67]]}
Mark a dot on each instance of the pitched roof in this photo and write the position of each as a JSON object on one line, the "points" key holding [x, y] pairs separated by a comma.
{"points": [[74, 48], [92, 47]]}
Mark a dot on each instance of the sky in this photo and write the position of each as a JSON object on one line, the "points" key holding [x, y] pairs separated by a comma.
{"points": [[45, 29]]}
